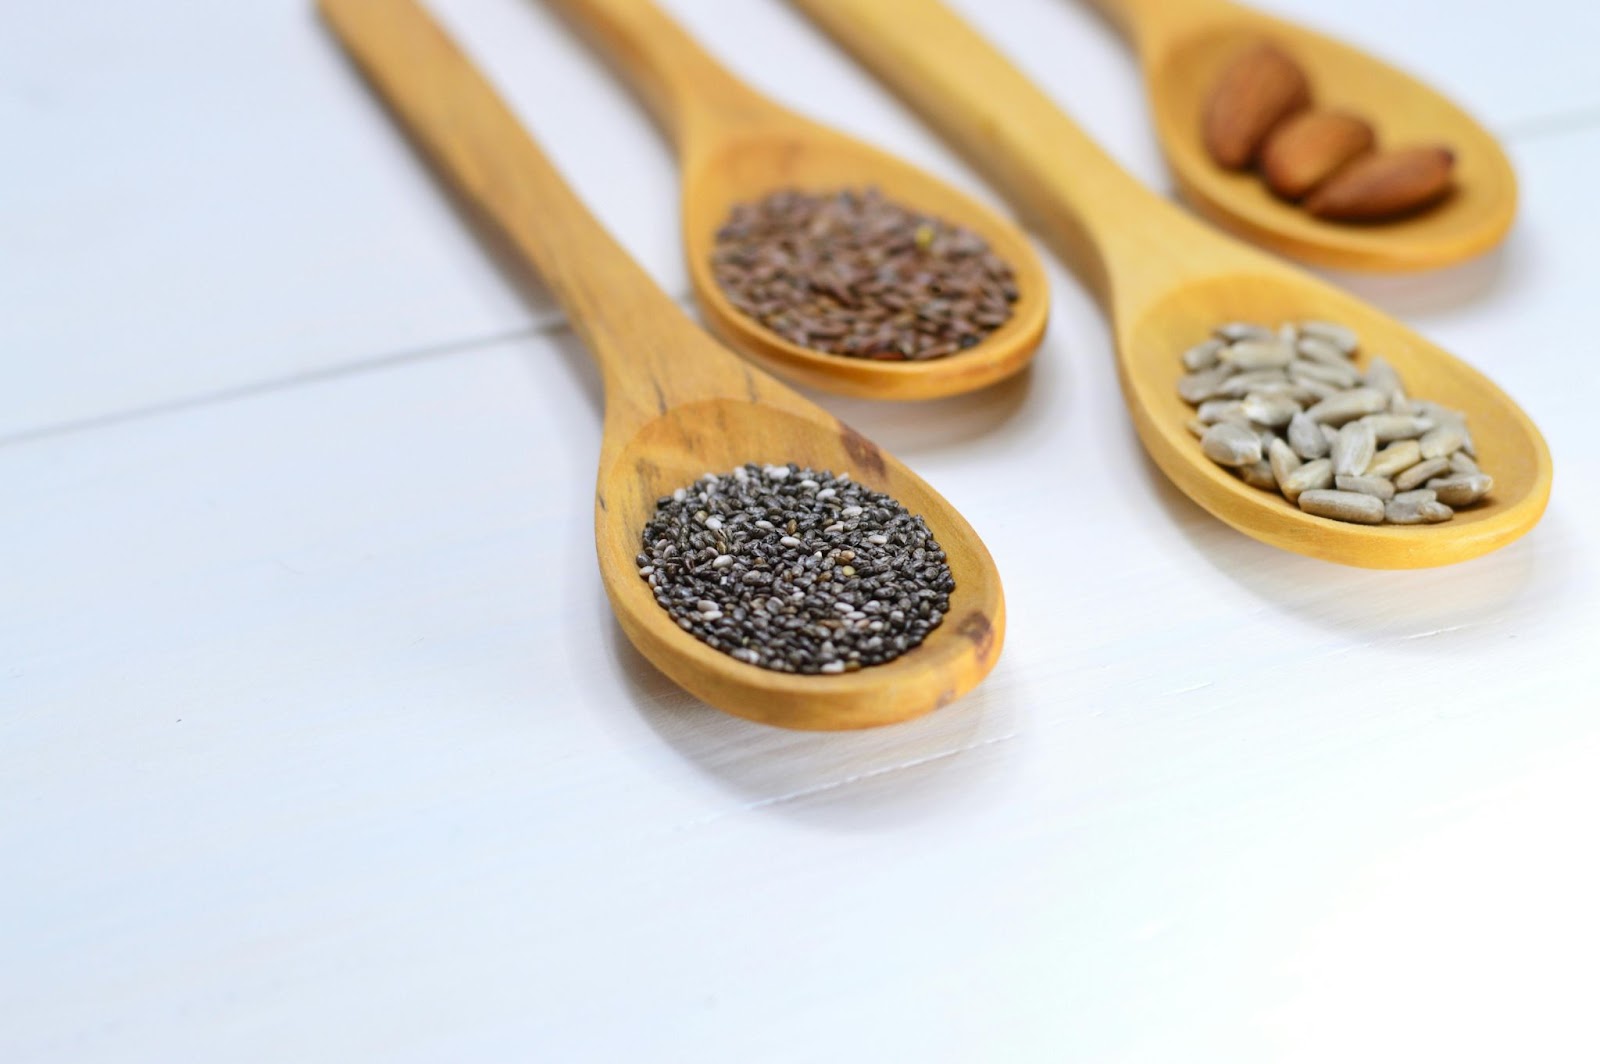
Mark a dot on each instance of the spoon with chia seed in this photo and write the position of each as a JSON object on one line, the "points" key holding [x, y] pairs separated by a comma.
{"points": [[737, 149], [679, 407], [1165, 278]]}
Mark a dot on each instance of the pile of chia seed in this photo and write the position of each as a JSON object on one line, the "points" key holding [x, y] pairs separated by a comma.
{"points": [[795, 570]]}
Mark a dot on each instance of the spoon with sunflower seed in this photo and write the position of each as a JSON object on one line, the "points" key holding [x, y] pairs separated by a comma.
{"points": [[1169, 281], [757, 550]]}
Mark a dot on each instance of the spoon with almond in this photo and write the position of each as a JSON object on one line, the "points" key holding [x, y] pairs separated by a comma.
{"points": [[1361, 166], [1167, 280]]}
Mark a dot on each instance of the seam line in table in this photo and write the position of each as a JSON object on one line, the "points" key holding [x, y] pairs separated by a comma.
{"points": [[352, 368], [355, 367]]}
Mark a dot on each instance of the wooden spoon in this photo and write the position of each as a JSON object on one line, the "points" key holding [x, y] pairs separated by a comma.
{"points": [[677, 404], [736, 146], [1184, 45], [1166, 280]]}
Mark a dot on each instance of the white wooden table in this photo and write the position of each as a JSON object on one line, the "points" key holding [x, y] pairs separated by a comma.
{"points": [[318, 742]]}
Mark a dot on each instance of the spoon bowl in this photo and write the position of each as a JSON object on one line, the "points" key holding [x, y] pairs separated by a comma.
{"points": [[1184, 45], [1167, 281], [735, 146], [678, 405], [1509, 446], [746, 168], [716, 435]]}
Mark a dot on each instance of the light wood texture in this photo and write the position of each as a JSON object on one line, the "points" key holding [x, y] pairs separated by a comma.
{"points": [[1184, 45], [1167, 280], [677, 405], [736, 146]]}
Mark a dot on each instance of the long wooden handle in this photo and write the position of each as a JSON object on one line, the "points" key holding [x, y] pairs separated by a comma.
{"points": [[688, 91], [1099, 218], [455, 116]]}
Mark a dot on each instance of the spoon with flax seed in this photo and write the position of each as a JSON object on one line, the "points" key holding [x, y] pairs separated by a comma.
{"points": [[736, 148]]}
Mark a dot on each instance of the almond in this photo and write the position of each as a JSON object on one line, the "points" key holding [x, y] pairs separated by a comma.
{"points": [[1384, 184], [1260, 88], [1306, 149]]}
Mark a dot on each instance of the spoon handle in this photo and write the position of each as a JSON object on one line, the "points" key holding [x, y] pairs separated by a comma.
{"points": [[630, 326], [1110, 228], [687, 90]]}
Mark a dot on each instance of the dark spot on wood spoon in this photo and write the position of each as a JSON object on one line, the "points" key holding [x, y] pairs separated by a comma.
{"points": [[976, 628], [862, 451]]}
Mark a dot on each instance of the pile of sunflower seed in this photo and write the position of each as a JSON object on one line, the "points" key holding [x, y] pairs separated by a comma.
{"points": [[851, 273], [795, 570], [1289, 411]]}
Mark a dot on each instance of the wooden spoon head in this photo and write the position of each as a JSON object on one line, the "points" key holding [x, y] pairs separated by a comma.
{"points": [[749, 164], [1180, 73], [716, 435], [1510, 448]]}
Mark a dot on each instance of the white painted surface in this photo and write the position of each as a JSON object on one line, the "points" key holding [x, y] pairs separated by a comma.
{"points": [[317, 740]]}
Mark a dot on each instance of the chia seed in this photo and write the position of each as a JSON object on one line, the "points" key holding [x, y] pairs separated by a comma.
{"points": [[795, 570]]}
